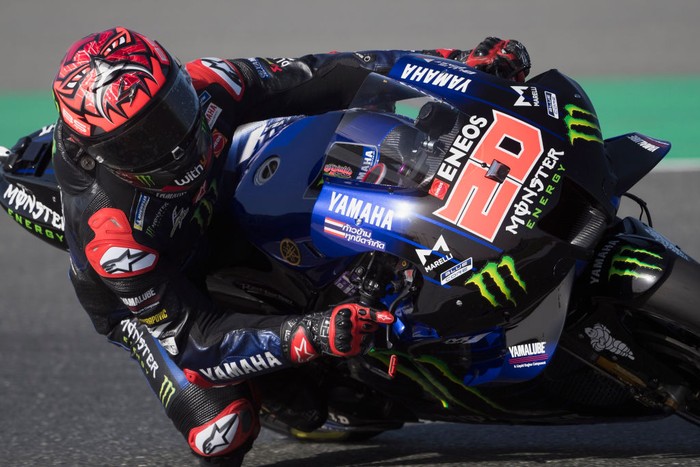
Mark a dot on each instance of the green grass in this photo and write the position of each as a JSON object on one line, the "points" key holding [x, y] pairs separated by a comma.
{"points": [[22, 113], [665, 108]]}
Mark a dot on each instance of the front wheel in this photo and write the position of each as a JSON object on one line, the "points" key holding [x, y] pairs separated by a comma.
{"points": [[330, 432]]}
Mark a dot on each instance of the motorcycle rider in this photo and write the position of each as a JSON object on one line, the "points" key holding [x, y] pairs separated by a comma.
{"points": [[140, 146]]}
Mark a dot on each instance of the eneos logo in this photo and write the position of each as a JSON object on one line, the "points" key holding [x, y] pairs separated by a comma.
{"points": [[490, 179]]}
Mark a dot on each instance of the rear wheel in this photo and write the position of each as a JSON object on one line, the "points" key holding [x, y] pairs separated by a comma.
{"points": [[668, 326], [679, 350]]}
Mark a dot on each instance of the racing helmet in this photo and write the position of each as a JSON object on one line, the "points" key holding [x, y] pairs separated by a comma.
{"points": [[130, 106]]}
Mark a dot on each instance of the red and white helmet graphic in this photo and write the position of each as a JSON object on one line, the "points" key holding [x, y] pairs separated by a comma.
{"points": [[107, 78]]}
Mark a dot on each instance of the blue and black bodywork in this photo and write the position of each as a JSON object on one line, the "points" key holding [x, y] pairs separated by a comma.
{"points": [[496, 199]]}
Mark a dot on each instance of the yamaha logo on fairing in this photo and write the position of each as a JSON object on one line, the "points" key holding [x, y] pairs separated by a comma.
{"points": [[361, 210], [369, 160], [438, 78]]}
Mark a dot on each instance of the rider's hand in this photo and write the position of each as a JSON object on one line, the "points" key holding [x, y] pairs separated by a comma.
{"points": [[344, 331], [504, 58]]}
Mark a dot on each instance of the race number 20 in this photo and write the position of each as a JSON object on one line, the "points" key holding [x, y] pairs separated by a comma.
{"points": [[479, 204]]}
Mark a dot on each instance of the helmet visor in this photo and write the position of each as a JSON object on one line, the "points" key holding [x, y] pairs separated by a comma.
{"points": [[178, 171], [150, 137]]}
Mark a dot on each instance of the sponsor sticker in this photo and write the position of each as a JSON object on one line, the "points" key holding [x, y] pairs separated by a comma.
{"points": [[455, 271], [528, 355], [140, 214], [440, 246], [212, 114], [528, 96], [551, 102], [352, 234], [362, 211], [226, 75]]}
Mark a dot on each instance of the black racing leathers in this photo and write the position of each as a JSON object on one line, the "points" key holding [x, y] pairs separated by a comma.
{"points": [[142, 255]]}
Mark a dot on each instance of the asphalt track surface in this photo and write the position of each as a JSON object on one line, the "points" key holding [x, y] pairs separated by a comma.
{"points": [[69, 398]]}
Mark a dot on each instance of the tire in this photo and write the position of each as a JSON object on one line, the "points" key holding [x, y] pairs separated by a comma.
{"points": [[677, 299], [328, 433], [679, 349]]}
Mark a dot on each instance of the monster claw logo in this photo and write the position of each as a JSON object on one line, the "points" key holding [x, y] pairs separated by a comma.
{"points": [[627, 263], [145, 180], [204, 209], [582, 124], [167, 389], [498, 273]]}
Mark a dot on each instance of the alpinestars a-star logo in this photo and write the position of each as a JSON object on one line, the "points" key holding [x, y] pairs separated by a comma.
{"points": [[227, 75], [219, 436], [302, 351], [119, 260], [114, 253]]}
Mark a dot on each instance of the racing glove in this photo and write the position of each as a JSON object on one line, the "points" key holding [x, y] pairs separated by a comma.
{"points": [[504, 58], [344, 331]]}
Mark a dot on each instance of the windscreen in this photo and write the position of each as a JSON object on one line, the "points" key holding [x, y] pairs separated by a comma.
{"points": [[394, 135]]}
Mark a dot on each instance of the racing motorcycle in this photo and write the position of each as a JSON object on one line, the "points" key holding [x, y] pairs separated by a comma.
{"points": [[483, 214]]}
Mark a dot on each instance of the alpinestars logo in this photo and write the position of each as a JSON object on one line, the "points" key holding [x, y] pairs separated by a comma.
{"points": [[492, 281], [126, 260], [303, 351], [582, 124], [634, 263], [219, 436], [229, 75]]}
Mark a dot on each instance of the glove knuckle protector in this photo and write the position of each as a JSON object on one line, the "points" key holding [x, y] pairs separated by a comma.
{"points": [[344, 331]]}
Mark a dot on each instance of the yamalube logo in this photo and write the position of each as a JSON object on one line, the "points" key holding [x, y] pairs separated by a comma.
{"points": [[119, 260]]}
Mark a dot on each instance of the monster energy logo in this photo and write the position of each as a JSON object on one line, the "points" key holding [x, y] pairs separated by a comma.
{"points": [[625, 265], [204, 211], [167, 389], [497, 272], [145, 180], [582, 124]]}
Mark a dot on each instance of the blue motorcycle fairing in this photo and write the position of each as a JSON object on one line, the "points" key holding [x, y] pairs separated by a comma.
{"points": [[487, 209]]}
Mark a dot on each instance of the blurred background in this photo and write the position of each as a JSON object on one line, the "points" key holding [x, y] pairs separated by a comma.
{"points": [[68, 397]]}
